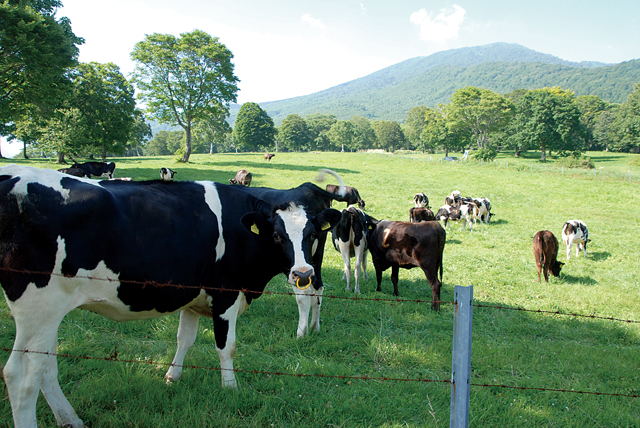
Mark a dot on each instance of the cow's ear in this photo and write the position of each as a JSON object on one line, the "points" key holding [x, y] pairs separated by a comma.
{"points": [[255, 223], [327, 219]]}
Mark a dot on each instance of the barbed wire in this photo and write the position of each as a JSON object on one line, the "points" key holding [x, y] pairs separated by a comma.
{"points": [[144, 284], [114, 358]]}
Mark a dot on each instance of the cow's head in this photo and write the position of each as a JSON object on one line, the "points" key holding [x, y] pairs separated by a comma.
{"points": [[555, 268], [292, 235]]}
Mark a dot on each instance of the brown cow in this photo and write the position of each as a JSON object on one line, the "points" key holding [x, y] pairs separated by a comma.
{"points": [[351, 195], [242, 177], [545, 251], [418, 214], [400, 244], [268, 156]]}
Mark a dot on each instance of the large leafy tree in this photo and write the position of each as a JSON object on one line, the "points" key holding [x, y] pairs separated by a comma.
{"points": [[319, 125], [364, 137], [481, 111], [106, 100], [62, 134], [341, 135], [590, 108], [36, 52], [389, 135], [414, 125], [628, 122], [182, 80], [213, 134], [254, 129], [549, 119], [294, 133], [140, 133]]}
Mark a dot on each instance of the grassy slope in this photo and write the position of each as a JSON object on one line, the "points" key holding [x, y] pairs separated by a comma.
{"points": [[390, 339]]}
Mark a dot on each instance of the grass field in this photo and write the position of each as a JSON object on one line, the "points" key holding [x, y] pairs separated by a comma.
{"points": [[390, 339]]}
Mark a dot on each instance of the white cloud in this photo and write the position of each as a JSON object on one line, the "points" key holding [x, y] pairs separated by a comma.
{"points": [[312, 21], [363, 9], [443, 27]]}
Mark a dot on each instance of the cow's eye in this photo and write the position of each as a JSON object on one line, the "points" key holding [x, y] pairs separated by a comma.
{"points": [[277, 238]]}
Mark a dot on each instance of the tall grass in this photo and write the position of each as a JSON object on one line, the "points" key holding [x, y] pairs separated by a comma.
{"points": [[389, 339]]}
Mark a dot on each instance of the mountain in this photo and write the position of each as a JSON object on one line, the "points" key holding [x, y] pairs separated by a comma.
{"points": [[501, 67]]}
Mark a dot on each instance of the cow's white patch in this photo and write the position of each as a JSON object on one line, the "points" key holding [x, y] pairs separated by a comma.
{"points": [[212, 198], [295, 220]]}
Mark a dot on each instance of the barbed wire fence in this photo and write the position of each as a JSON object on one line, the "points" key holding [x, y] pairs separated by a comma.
{"points": [[114, 358]]}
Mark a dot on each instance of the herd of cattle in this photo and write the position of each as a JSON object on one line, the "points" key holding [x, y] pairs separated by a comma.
{"points": [[230, 241]]}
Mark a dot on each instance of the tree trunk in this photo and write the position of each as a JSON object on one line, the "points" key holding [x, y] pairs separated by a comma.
{"points": [[187, 148], [61, 157], [543, 158], [24, 150]]}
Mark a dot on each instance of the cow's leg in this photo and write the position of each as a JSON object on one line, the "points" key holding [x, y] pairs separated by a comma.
{"points": [[344, 251], [569, 244], [187, 331], [304, 301], [395, 270], [436, 285], [27, 372], [378, 278], [358, 270], [224, 328], [316, 304], [364, 265]]}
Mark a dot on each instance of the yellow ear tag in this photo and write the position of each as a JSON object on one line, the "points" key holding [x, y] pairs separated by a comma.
{"points": [[254, 229], [326, 226]]}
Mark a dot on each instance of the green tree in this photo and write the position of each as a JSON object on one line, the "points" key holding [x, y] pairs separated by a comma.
{"points": [[254, 129], [438, 135], [414, 125], [212, 133], [164, 143], [63, 133], [106, 100], [590, 108], [389, 135], [549, 119], [341, 135], [140, 133], [182, 80], [319, 125], [36, 52], [294, 134], [605, 132], [364, 137], [480, 110], [628, 122]]}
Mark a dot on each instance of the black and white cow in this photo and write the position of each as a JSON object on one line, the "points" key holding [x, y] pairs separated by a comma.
{"points": [[76, 172], [97, 169], [166, 174], [448, 213], [350, 239], [483, 210], [229, 241], [350, 196], [421, 200], [575, 232]]}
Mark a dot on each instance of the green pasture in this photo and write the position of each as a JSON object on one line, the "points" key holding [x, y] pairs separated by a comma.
{"points": [[324, 383]]}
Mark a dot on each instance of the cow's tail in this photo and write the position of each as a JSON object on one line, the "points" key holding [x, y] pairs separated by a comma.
{"points": [[320, 178]]}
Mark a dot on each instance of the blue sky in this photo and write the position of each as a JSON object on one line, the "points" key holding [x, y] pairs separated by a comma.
{"points": [[288, 48]]}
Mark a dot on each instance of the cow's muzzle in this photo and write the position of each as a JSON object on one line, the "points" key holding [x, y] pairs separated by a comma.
{"points": [[303, 279]]}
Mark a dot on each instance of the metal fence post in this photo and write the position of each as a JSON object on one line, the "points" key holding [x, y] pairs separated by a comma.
{"points": [[461, 360]]}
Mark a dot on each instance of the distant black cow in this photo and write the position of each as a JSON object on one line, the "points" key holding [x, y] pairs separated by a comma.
{"points": [[268, 156], [350, 239], [97, 169], [545, 251], [421, 200], [399, 244], [242, 177], [231, 245], [351, 196], [166, 174], [76, 172], [418, 214]]}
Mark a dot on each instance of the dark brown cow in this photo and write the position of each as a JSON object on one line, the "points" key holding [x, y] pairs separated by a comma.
{"points": [[242, 177], [545, 251], [268, 156], [400, 244], [418, 214], [351, 196]]}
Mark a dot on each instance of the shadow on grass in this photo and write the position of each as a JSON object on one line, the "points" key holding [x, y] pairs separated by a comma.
{"points": [[584, 280], [499, 221], [453, 241], [599, 256]]}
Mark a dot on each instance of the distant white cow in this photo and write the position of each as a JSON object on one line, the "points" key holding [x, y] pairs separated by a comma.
{"points": [[575, 232], [484, 210]]}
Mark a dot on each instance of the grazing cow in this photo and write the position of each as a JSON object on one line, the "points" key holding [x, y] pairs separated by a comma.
{"points": [[350, 239], [483, 210], [418, 214], [575, 232], [97, 169], [166, 174], [448, 213], [421, 200], [351, 195], [399, 244], [76, 172], [545, 251], [242, 177], [268, 156], [231, 245], [455, 196]]}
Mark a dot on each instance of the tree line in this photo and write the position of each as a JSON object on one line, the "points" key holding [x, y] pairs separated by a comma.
{"points": [[58, 107]]}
